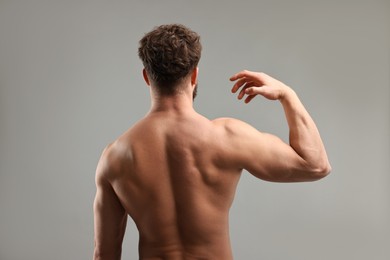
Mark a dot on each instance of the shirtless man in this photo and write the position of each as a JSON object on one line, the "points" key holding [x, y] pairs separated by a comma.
{"points": [[175, 172]]}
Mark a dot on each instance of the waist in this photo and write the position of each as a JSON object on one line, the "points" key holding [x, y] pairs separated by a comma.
{"points": [[185, 251]]}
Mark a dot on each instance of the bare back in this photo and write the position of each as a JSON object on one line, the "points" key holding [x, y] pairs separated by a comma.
{"points": [[175, 172], [178, 186]]}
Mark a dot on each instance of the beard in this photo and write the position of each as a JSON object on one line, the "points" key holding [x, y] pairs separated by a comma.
{"points": [[195, 92]]}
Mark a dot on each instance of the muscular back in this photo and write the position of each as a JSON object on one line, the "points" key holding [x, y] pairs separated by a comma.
{"points": [[175, 172], [177, 180]]}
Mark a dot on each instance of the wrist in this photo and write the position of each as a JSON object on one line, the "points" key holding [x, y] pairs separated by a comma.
{"points": [[286, 94]]}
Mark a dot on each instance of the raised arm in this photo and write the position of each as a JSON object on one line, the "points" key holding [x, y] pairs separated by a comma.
{"points": [[109, 216], [269, 158]]}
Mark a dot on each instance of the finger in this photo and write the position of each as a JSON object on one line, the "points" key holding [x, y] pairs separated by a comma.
{"points": [[242, 74], [242, 93], [251, 90], [238, 85], [235, 76], [249, 98], [243, 90]]}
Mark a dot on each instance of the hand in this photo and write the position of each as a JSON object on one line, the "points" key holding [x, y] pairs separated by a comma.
{"points": [[258, 83]]}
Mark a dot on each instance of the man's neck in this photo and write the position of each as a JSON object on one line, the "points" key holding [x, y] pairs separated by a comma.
{"points": [[178, 103]]}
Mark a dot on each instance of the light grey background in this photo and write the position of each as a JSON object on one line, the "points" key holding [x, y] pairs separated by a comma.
{"points": [[70, 83]]}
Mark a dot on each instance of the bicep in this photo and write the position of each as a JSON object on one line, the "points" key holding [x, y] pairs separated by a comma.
{"points": [[110, 220], [266, 156], [271, 159]]}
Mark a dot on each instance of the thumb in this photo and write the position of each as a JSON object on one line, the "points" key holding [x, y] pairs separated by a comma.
{"points": [[254, 90]]}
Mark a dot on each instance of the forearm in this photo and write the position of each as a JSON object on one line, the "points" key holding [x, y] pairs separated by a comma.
{"points": [[304, 135]]}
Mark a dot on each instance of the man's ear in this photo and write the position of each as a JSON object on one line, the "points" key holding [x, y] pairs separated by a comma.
{"points": [[146, 78], [194, 76]]}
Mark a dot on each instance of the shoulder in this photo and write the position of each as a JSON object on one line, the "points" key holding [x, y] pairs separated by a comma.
{"points": [[239, 135], [243, 137], [227, 122], [234, 127], [114, 160]]}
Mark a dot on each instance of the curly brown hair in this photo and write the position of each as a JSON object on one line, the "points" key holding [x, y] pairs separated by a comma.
{"points": [[169, 53]]}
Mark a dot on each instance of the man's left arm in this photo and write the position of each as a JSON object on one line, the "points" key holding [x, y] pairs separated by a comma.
{"points": [[109, 216]]}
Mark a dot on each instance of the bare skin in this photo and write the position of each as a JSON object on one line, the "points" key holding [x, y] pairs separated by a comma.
{"points": [[175, 172]]}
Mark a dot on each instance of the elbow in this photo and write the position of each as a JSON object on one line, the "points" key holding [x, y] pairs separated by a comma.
{"points": [[321, 171], [316, 171], [99, 255], [328, 169]]}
